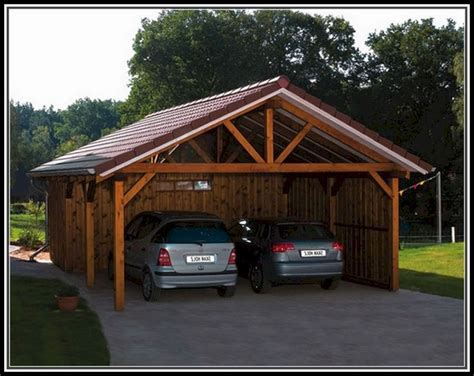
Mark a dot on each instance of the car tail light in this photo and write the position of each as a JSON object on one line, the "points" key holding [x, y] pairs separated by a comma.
{"points": [[283, 247], [232, 257], [338, 246], [164, 258]]}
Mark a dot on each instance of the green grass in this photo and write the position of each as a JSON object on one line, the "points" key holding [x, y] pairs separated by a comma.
{"points": [[435, 269], [41, 335], [20, 222]]}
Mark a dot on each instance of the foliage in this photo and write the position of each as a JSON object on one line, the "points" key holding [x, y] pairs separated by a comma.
{"points": [[437, 269], [68, 290], [185, 55], [42, 336], [18, 208], [29, 237], [20, 223]]}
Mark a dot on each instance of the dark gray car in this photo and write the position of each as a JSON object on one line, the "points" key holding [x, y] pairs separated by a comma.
{"points": [[272, 252], [167, 250]]}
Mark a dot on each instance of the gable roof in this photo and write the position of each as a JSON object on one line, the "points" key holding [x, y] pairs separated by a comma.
{"points": [[163, 128]]}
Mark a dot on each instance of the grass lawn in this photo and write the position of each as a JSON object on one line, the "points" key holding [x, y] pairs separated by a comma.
{"points": [[20, 222], [41, 335], [435, 269]]}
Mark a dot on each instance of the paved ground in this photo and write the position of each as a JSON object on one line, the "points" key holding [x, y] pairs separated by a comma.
{"points": [[293, 326]]}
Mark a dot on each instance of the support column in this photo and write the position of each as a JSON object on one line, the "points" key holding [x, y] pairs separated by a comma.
{"points": [[394, 236], [119, 249], [66, 251], [89, 191], [269, 155]]}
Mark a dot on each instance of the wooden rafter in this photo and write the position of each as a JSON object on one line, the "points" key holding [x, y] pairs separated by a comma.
{"points": [[238, 148], [378, 179], [138, 186], [332, 132], [200, 151], [294, 143], [257, 167], [243, 141]]}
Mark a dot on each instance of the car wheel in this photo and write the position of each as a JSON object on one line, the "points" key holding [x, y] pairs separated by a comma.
{"points": [[110, 268], [226, 292], [151, 292], [330, 284], [260, 284]]}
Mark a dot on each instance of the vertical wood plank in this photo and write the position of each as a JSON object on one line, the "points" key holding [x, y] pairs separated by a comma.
{"points": [[89, 218], [331, 205], [119, 267], [269, 135], [394, 237]]}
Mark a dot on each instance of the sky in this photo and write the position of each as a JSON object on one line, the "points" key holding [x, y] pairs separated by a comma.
{"points": [[59, 55]]}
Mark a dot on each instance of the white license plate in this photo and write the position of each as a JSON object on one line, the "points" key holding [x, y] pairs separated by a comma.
{"points": [[197, 259], [313, 253]]}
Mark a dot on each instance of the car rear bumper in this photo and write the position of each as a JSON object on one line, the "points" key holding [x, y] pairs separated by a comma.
{"points": [[302, 270], [167, 280]]}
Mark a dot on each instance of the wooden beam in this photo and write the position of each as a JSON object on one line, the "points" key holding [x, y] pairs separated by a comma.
{"points": [[137, 187], [219, 143], [235, 153], [323, 180], [100, 179], [119, 247], [294, 143], [269, 153], [243, 141], [200, 151], [333, 132], [394, 236], [69, 227], [378, 179], [256, 167], [339, 180]]}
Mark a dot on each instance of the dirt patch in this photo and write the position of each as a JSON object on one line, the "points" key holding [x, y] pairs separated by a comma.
{"points": [[24, 254]]}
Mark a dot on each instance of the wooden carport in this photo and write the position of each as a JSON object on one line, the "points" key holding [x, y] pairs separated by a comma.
{"points": [[267, 149]]}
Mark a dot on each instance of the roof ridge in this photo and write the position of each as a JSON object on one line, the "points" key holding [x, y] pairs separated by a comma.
{"points": [[281, 79]]}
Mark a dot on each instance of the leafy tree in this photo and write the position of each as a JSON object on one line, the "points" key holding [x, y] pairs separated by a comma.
{"points": [[185, 55]]}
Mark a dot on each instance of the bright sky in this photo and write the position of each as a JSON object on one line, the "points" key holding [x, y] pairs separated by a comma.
{"points": [[59, 55]]}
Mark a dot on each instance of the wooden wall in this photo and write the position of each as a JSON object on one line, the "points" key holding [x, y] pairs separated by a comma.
{"points": [[362, 215]]}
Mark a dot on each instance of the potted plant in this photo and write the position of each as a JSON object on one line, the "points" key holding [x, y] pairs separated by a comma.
{"points": [[67, 298]]}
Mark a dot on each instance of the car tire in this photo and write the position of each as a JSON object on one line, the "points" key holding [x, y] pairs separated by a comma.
{"points": [[258, 281], [110, 268], [150, 291], [330, 284], [226, 292]]}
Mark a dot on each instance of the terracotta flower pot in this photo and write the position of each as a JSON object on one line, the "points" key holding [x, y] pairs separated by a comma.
{"points": [[67, 303]]}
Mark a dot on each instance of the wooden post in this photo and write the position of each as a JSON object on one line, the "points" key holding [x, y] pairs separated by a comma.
{"points": [[89, 191], [119, 247], [394, 237], [68, 219], [331, 205], [269, 135]]}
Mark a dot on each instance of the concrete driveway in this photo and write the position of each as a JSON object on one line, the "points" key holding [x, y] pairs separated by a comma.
{"points": [[292, 326]]}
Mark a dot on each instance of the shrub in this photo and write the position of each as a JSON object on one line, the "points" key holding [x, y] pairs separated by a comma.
{"points": [[29, 237], [68, 290], [18, 208]]}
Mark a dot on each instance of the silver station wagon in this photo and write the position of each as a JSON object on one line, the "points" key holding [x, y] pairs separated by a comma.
{"points": [[174, 249]]}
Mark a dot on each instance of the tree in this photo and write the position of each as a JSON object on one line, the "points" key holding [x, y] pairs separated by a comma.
{"points": [[186, 55]]}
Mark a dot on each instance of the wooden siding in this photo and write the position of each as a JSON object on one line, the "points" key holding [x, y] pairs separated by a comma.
{"points": [[362, 224], [362, 219]]}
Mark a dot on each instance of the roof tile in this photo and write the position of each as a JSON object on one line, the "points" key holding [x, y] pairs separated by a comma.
{"points": [[329, 109], [298, 91], [343, 117], [313, 100]]}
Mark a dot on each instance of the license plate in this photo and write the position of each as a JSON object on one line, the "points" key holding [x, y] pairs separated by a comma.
{"points": [[313, 253], [198, 259]]}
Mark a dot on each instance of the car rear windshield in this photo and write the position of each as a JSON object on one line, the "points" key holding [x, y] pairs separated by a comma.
{"points": [[303, 231], [197, 232]]}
